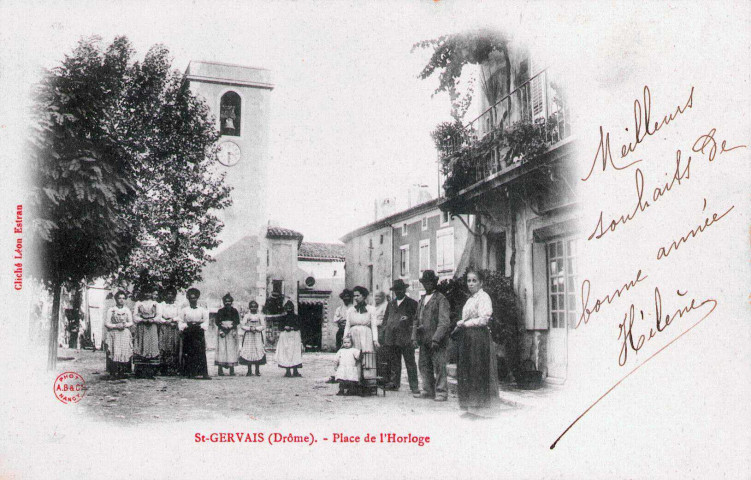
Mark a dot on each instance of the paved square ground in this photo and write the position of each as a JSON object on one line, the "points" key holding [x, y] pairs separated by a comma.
{"points": [[174, 399]]}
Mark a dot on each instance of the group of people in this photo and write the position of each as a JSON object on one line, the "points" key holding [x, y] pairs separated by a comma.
{"points": [[394, 329], [160, 337]]}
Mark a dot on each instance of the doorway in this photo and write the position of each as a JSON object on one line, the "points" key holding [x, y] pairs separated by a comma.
{"points": [[311, 317], [562, 305], [496, 253]]}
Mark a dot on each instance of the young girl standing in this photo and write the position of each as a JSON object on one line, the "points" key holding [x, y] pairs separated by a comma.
{"points": [[253, 353], [348, 368], [289, 347]]}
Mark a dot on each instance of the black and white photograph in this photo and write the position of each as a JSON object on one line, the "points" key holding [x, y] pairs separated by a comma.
{"points": [[445, 239]]}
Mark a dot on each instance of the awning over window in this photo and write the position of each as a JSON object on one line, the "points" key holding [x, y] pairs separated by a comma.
{"points": [[313, 300]]}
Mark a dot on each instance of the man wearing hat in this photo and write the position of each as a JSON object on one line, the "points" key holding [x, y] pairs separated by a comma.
{"points": [[397, 329], [430, 333]]}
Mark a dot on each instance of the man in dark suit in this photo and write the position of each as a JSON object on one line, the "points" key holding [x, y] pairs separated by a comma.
{"points": [[430, 333], [397, 333]]}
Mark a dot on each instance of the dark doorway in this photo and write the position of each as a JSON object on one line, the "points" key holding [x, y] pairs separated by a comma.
{"points": [[311, 317], [497, 252]]}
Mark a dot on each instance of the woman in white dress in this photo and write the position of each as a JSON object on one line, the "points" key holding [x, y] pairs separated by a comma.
{"points": [[252, 352], [362, 326], [118, 346]]}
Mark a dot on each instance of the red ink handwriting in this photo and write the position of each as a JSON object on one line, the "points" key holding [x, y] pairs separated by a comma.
{"points": [[709, 141], [626, 332], [606, 300], [682, 172], [662, 252], [709, 301], [642, 117]]}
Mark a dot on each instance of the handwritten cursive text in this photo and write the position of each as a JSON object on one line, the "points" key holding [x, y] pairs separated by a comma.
{"points": [[642, 117], [662, 252], [606, 300]]}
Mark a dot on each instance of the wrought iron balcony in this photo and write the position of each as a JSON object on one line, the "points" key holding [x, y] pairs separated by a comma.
{"points": [[517, 129]]}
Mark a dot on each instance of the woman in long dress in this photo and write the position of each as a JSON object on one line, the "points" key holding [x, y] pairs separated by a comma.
{"points": [[253, 352], [119, 349], [147, 317], [194, 321], [227, 320], [477, 378], [289, 346], [362, 326], [169, 335]]}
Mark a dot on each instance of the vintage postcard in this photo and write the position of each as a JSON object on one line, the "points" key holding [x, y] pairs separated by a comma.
{"points": [[428, 239]]}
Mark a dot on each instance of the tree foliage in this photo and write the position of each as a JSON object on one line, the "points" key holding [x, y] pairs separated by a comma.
{"points": [[82, 184], [451, 53], [123, 159], [177, 176]]}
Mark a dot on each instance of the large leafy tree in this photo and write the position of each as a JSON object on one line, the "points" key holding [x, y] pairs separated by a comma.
{"points": [[451, 53], [176, 173], [123, 172]]}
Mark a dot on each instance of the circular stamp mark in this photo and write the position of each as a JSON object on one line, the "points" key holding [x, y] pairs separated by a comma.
{"points": [[69, 387]]}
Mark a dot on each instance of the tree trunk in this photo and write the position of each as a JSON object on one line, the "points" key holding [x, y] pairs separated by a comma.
{"points": [[512, 260], [52, 346]]}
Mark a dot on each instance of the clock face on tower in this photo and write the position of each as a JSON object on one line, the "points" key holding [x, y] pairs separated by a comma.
{"points": [[229, 154]]}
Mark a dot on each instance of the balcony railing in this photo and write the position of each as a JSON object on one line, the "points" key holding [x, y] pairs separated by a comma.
{"points": [[513, 131]]}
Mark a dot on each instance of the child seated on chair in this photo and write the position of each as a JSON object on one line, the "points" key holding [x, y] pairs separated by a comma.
{"points": [[348, 368]]}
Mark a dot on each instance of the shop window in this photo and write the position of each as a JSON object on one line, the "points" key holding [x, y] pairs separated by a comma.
{"points": [[562, 308]]}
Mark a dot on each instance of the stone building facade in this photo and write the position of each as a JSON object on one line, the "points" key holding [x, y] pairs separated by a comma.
{"points": [[403, 245], [524, 201]]}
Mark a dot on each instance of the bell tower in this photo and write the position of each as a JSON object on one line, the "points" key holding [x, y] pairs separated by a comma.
{"points": [[239, 98]]}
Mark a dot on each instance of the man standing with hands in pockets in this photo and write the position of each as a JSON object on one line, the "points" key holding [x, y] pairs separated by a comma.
{"points": [[430, 333], [397, 327]]}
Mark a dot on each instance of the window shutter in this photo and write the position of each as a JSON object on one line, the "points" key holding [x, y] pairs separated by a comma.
{"points": [[539, 318], [537, 92]]}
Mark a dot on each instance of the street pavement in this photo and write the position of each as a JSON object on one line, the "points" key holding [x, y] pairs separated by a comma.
{"points": [[268, 397]]}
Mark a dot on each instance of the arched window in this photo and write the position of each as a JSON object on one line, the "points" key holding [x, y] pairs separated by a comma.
{"points": [[229, 112]]}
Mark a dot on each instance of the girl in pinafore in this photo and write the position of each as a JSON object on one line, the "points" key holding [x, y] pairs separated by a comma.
{"points": [[118, 342], [252, 352], [147, 317], [289, 346], [348, 368], [227, 320]]}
